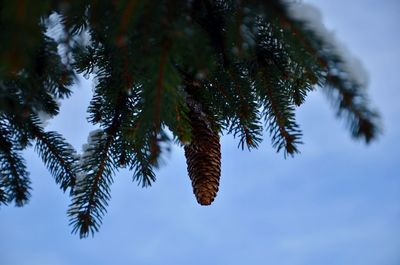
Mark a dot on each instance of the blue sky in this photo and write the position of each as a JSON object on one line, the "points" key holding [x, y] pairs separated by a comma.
{"points": [[338, 202]]}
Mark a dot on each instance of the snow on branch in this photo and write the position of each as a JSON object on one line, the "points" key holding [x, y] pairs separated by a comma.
{"points": [[44, 118], [312, 18]]}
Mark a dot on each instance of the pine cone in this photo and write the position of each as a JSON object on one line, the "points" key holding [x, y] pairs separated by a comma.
{"points": [[203, 156]]}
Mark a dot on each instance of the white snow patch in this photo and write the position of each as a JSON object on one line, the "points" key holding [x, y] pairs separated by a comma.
{"points": [[85, 39], [54, 28], [87, 152], [80, 176], [312, 17], [44, 118], [76, 155], [93, 137]]}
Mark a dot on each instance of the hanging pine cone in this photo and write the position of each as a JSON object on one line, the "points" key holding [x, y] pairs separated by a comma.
{"points": [[203, 155]]}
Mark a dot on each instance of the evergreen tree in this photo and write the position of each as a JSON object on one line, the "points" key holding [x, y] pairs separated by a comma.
{"points": [[165, 72]]}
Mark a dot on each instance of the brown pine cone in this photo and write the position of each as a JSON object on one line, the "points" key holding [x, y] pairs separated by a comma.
{"points": [[203, 156]]}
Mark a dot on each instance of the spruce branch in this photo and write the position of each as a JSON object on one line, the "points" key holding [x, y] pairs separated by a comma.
{"points": [[300, 83], [14, 182], [92, 190], [210, 16], [155, 149], [197, 68], [101, 156], [136, 150], [142, 165], [306, 45], [52, 73], [275, 89], [277, 106], [298, 74], [3, 194], [347, 95], [132, 146], [280, 118], [352, 103], [245, 124], [59, 157]]}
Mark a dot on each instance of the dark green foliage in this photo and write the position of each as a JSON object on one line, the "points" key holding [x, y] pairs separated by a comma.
{"points": [[247, 63], [92, 189], [14, 180], [59, 157], [352, 103], [32, 79]]}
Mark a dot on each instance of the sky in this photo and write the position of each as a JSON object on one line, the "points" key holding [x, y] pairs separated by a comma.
{"points": [[336, 203]]}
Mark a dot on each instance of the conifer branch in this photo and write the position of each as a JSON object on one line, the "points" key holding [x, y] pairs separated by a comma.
{"points": [[133, 147], [346, 94], [275, 89], [306, 40], [240, 61], [3, 194], [352, 103], [14, 180], [245, 124], [209, 15], [93, 188], [155, 149], [279, 114], [138, 154], [59, 157], [142, 166]]}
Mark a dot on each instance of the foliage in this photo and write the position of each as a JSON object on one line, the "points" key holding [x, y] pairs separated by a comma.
{"points": [[249, 64]]}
